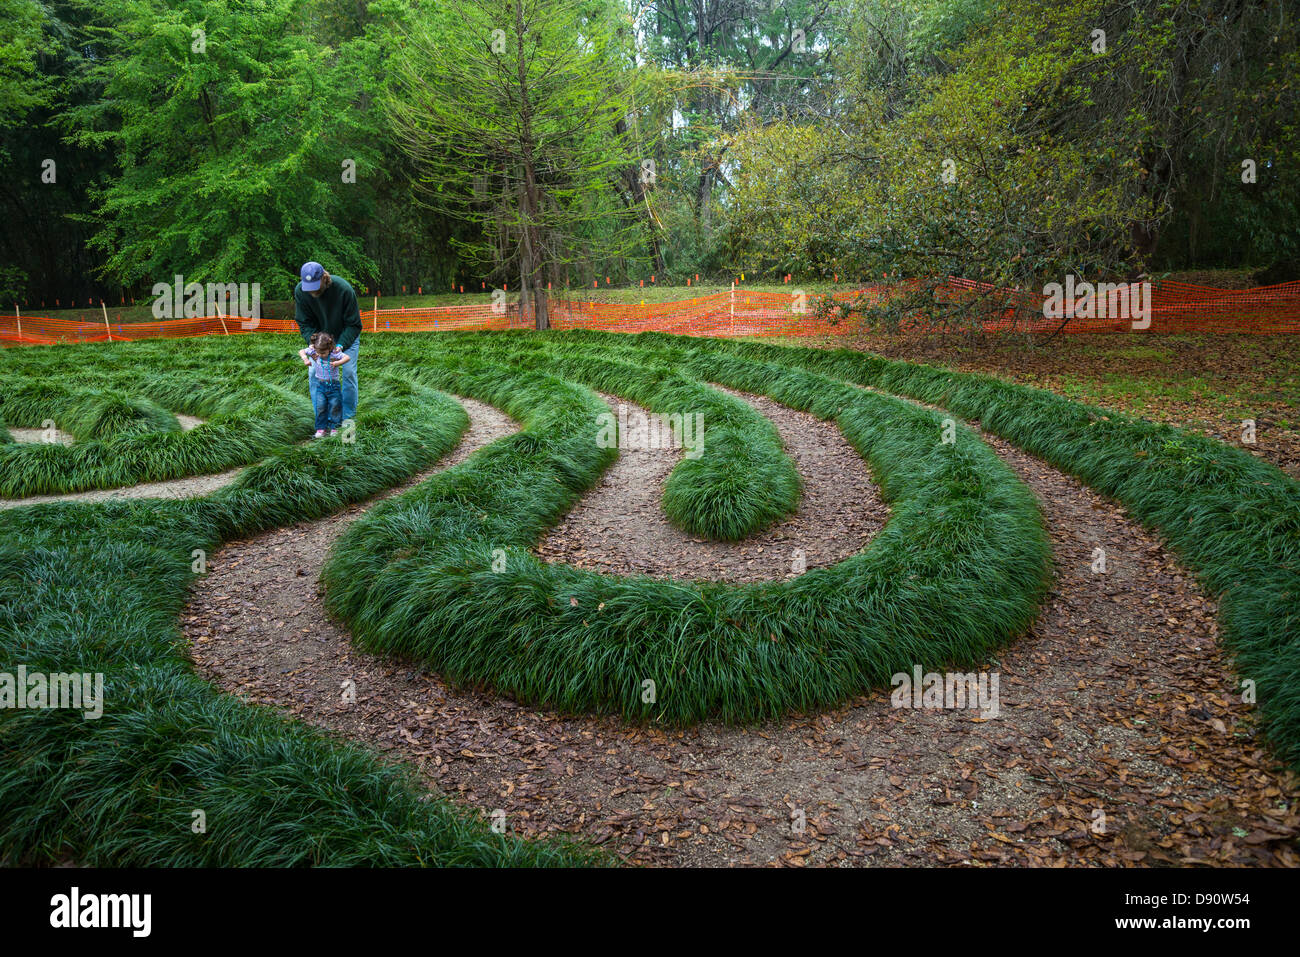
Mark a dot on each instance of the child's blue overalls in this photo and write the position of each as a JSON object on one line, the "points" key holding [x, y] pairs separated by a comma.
{"points": [[329, 392]]}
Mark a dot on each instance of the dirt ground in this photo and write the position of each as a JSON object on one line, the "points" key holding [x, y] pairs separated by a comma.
{"points": [[620, 527], [1120, 738]]}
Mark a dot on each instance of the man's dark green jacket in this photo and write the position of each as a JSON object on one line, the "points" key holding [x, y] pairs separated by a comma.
{"points": [[335, 311]]}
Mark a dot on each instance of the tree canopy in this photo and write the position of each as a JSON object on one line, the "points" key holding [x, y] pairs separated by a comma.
{"points": [[518, 141]]}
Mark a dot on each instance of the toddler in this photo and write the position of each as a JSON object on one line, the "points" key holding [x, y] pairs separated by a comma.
{"points": [[324, 359]]}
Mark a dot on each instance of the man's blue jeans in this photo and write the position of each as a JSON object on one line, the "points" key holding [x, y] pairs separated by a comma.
{"points": [[348, 380]]}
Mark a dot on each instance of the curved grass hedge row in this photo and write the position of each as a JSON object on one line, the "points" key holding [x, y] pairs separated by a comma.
{"points": [[1233, 518], [958, 570], [86, 414], [99, 588], [130, 441], [741, 482]]}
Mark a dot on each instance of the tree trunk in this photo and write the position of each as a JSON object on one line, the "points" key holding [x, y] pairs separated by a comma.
{"points": [[703, 208], [525, 281], [543, 307], [530, 205], [637, 189]]}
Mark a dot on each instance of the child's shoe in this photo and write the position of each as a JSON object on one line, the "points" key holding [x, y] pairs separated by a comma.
{"points": [[334, 431], [320, 434]]}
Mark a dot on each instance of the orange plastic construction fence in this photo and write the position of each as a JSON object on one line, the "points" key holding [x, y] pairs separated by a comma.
{"points": [[1174, 307]]}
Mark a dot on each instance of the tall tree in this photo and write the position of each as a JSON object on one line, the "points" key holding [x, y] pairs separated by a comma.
{"points": [[23, 40], [44, 198], [517, 113], [760, 59], [234, 130]]}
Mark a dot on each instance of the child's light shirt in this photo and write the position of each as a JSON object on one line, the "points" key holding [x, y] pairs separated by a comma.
{"points": [[321, 366]]}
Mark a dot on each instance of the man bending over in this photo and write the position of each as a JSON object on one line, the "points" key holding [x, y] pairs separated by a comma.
{"points": [[325, 303]]}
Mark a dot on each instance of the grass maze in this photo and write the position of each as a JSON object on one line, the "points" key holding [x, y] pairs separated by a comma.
{"points": [[443, 574]]}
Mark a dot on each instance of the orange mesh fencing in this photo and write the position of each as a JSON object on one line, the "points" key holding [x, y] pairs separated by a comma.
{"points": [[1174, 308], [742, 313], [35, 330]]}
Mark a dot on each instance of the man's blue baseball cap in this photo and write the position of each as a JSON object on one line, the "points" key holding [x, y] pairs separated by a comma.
{"points": [[311, 276]]}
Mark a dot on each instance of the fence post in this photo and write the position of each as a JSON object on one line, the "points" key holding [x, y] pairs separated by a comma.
{"points": [[375, 327], [733, 306], [224, 328], [106, 327], [19, 316]]}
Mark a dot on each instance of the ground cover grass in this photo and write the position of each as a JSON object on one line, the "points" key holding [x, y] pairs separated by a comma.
{"points": [[1233, 518], [126, 423], [954, 573], [86, 414], [443, 573], [1204, 383], [98, 588]]}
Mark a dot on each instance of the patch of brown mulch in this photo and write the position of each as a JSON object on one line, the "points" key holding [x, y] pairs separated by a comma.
{"points": [[188, 487], [1121, 739], [619, 527]]}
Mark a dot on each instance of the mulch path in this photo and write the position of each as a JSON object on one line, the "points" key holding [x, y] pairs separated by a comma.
{"points": [[1121, 739], [38, 436], [620, 528]]}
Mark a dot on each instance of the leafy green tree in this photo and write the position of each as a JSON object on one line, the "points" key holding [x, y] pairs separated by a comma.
{"points": [[1039, 138], [1005, 141], [48, 180], [729, 63], [22, 40], [235, 130], [516, 112]]}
